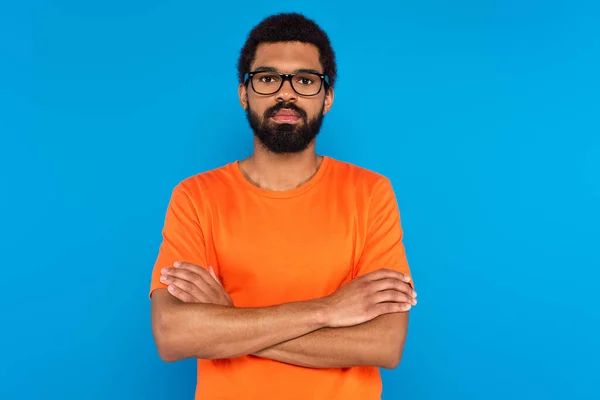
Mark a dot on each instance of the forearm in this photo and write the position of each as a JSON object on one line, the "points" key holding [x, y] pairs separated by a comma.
{"points": [[375, 343], [207, 331]]}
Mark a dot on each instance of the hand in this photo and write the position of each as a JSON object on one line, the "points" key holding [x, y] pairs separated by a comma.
{"points": [[193, 284], [373, 294]]}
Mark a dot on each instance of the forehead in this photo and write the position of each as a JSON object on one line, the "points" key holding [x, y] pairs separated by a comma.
{"points": [[287, 57]]}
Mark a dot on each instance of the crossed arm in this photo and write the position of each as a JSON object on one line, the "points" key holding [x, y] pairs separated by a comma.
{"points": [[315, 333], [379, 342], [363, 323]]}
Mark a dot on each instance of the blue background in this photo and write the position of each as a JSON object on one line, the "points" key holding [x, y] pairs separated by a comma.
{"points": [[483, 114]]}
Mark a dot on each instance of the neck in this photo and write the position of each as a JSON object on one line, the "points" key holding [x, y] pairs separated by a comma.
{"points": [[280, 172]]}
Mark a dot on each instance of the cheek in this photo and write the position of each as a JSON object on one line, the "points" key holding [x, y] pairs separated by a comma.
{"points": [[314, 110], [258, 105]]}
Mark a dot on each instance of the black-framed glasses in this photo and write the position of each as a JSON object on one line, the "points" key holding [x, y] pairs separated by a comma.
{"points": [[270, 82]]}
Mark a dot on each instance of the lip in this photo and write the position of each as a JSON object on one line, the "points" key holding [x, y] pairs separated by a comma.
{"points": [[286, 111], [285, 119]]}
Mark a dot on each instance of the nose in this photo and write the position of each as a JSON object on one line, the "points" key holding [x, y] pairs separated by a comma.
{"points": [[287, 93]]}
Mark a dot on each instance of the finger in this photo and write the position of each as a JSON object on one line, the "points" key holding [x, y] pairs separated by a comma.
{"points": [[181, 294], [185, 275], [203, 273], [389, 308], [214, 275], [388, 273], [208, 288], [395, 284], [188, 273], [183, 286], [198, 276], [394, 296], [196, 269]]}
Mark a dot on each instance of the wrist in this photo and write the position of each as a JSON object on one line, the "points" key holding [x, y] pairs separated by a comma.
{"points": [[322, 312]]}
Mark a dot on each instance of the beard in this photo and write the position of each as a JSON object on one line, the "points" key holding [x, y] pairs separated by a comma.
{"points": [[285, 138]]}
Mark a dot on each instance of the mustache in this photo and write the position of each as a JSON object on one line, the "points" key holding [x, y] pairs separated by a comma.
{"points": [[285, 106]]}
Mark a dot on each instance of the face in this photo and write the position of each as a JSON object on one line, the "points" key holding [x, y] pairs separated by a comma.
{"points": [[285, 121]]}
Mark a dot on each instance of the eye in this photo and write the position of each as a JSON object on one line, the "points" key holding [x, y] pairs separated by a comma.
{"points": [[305, 80], [268, 78]]}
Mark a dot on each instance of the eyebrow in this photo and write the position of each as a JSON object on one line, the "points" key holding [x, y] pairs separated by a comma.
{"points": [[298, 71]]}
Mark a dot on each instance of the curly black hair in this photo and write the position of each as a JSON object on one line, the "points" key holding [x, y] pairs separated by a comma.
{"points": [[288, 27]]}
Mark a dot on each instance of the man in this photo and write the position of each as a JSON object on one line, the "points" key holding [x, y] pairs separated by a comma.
{"points": [[284, 274]]}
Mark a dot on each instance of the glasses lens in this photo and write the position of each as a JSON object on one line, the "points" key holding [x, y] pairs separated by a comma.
{"points": [[307, 84], [268, 83]]}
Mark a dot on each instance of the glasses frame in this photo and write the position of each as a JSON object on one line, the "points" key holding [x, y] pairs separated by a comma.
{"points": [[285, 77]]}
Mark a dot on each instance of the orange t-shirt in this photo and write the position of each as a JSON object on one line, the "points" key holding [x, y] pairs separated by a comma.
{"points": [[269, 248]]}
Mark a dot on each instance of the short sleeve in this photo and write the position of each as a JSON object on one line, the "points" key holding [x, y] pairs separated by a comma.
{"points": [[384, 247], [182, 237]]}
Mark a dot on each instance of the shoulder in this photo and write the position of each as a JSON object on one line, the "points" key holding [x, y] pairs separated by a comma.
{"points": [[206, 183], [371, 190], [358, 177], [368, 188]]}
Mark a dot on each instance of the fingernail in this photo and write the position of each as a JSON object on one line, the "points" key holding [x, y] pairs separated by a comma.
{"points": [[171, 288], [164, 271], [414, 294], [177, 263], [414, 302], [163, 278]]}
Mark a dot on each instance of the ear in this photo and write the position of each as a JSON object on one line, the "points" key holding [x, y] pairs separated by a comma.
{"points": [[243, 94], [329, 95]]}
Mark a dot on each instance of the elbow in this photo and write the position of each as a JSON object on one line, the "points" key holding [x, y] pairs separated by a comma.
{"points": [[174, 344], [167, 355], [175, 337], [391, 362], [167, 352], [392, 356], [165, 340], [172, 341]]}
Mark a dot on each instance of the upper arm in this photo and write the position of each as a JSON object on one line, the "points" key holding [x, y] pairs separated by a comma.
{"points": [[384, 248], [182, 236], [383, 245]]}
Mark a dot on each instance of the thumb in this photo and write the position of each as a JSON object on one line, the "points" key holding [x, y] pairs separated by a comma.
{"points": [[212, 273]]}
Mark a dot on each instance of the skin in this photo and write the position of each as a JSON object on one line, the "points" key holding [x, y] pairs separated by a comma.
{"points": [[277, 171], [346, 341], [336, 331]]}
